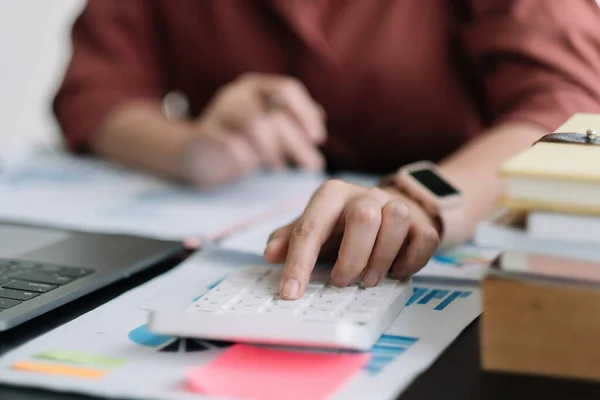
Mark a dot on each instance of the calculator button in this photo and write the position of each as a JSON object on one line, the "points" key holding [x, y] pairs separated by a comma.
{"points": [[207, 303], [332, 301], [226, 287], [271, 289], [366, 303], [301, 301], [221, 296], [311, 291], [357, 316], [386, 284], [257, 297], [365, 294], [247, 307], [334, 291]]}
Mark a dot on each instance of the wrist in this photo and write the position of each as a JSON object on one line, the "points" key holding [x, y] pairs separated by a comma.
{"points": [[429, 190]]}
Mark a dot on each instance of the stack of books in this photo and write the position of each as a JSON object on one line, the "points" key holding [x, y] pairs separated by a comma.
{"points": [[541, 296]]}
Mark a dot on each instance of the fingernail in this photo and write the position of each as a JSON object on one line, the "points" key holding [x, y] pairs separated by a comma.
{"points": [[290, 288], [340, 280], [372, 277]]}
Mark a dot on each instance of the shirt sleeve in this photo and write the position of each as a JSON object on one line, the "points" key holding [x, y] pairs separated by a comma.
{"points": [[539, 60], [115, 58]]}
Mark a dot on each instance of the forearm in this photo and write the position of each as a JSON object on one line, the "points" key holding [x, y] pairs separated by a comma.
{"points": [[474, 168], [140, 136]]}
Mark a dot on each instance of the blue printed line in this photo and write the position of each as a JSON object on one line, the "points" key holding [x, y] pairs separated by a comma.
{"points": [[441, 294], [397, 341], [385, 350], [429, 296], [372, 370], [212, 286], [465, 294], [445, 259], [380, 361], [447, 301], [417, 293]]}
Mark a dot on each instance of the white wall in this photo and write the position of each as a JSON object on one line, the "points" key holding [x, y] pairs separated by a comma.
{"points": [[34, 50]]}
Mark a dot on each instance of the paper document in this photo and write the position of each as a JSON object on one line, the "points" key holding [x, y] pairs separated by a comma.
{"points": [[91, 195], [156, 366]]}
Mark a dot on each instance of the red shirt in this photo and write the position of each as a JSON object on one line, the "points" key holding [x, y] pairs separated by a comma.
{"points": [[400, 80]]}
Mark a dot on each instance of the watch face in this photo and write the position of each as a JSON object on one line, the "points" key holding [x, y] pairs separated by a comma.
{"points": [[433, 182]]}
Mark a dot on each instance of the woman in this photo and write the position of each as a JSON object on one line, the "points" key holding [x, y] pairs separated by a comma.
{"points": [[364, 85]]}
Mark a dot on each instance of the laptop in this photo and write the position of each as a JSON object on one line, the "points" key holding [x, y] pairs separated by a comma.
{"points": [[44, 268]]}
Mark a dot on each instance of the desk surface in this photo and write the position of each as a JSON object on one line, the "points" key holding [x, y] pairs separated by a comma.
{"points": [[455, 375]]}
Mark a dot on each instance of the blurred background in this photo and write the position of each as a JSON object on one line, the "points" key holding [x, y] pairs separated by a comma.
{"points": [[35, 49]]}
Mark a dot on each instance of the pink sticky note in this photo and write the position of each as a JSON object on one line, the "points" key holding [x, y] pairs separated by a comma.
{"points": [[255, 373]]}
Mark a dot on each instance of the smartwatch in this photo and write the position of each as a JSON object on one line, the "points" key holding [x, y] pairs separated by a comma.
{"points": [[422, 182]]}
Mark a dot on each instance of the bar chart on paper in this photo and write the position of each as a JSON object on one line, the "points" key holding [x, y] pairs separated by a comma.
{"points": [[439, 299], [389, 347], [386, 350]]}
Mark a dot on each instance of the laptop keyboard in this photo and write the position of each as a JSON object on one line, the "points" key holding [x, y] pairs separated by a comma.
{"points": [[24, 280]]}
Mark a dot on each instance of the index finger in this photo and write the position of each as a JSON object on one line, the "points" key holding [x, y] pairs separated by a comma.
{"points": [[308, 234]]}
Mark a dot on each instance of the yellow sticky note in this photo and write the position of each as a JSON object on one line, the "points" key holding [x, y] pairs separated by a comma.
{"points": [[58, 369], [78, 357]]}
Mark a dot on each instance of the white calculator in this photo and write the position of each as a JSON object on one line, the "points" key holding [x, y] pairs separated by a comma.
{"points": [[246, 307]]}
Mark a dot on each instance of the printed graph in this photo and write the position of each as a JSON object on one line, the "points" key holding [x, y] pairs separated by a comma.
{"points": [[386, 350], [170, 344], [438, 298]]}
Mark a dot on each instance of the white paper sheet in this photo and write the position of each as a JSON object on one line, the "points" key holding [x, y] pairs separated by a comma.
{"points": [[434, 317], [91, 195]]}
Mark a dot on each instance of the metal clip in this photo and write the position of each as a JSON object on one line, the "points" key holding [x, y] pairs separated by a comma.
{"points": [[590, 134]]}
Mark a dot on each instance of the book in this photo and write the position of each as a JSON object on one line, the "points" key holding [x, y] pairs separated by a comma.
{"points": [[558, 177], [506, 229], [527, 264], [561, 176], [541, 325], [571, 228]]}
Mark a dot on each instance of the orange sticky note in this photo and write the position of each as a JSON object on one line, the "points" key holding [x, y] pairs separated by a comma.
{"points": [[254, 373], [59, 369]]}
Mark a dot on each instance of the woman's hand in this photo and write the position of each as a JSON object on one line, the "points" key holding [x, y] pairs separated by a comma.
{"points": [[256, 121], [366, 231]]}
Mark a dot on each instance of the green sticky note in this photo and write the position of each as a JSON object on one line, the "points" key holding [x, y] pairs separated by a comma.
{"points": [[78, 357]]}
